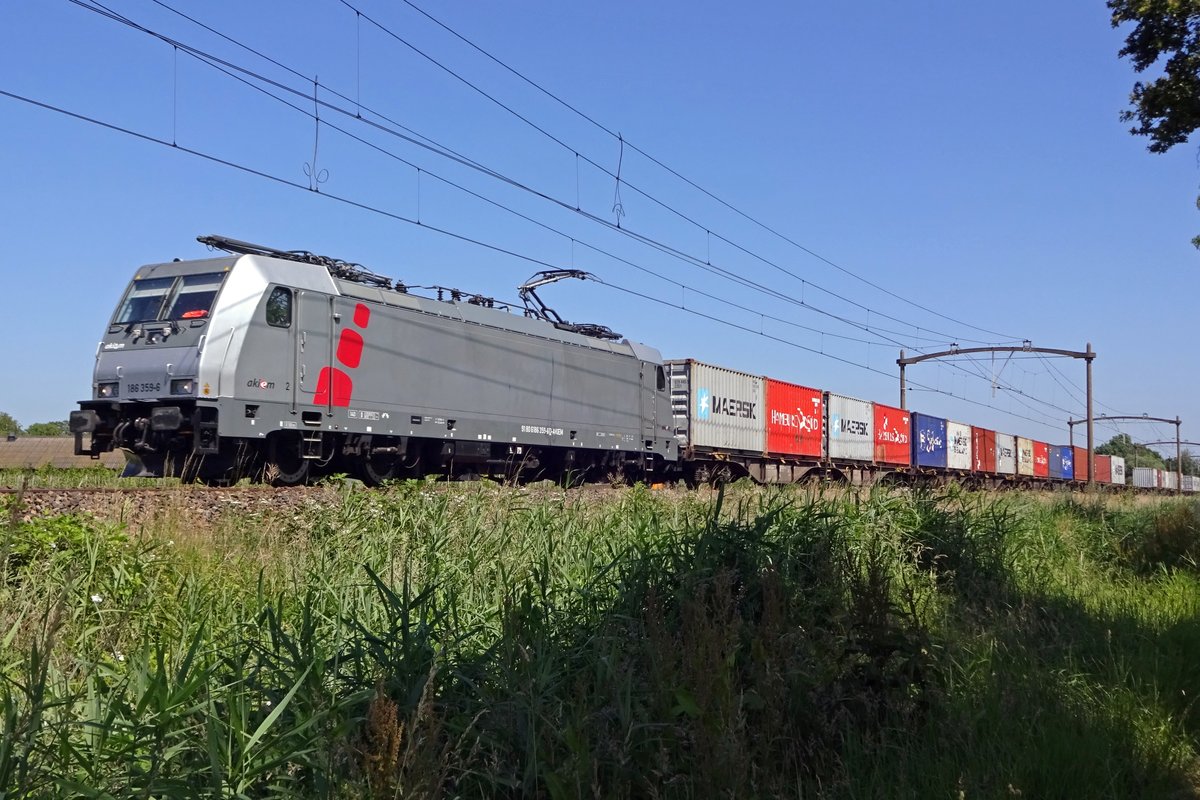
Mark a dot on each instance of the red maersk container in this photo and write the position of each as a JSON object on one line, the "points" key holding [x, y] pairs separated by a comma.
{"points": [[983, 446], [1041, 459], [893, 433], [1103, 469], [794, 415]]}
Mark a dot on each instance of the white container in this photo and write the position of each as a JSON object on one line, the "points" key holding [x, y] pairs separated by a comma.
{"points": [[1118, 471], [1170, 480], [718, 408], [958, 446], [851, 428], [1006, 454], [1024, 456], [1144, 478]]}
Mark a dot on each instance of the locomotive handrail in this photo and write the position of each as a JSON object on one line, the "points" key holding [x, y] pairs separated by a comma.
{"points": [[338, 268]]}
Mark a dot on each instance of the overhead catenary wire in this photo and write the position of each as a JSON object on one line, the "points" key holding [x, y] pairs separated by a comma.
{"points": [[94, 5], [221, 64], [206, 58], [359, 15], [446, 232], [225, 66], [617, 135]]}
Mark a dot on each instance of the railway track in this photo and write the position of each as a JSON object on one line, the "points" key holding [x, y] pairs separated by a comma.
{"points": [[135, 506], [184, 489]]}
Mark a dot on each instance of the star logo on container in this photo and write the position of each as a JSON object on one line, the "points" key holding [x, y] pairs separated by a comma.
{"points": [[703, 404], [835, 424]]}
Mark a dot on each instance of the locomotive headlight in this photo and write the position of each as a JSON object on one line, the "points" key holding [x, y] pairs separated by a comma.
{"points": [[106, 389], [183, 386]]}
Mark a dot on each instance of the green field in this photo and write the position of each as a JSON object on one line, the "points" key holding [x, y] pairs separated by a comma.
{"points": [[474, 640]]}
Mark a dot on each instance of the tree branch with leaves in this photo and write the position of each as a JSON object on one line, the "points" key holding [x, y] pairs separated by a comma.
{"points": [[1166, 109]]}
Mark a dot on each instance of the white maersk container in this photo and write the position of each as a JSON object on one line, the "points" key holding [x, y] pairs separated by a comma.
{"points": [[1144, 478], [1118, 471], [851, 428], [958, 446], [1171, 480], [1006, 454], [1024, 456], [718, 408], [1191, 483]]}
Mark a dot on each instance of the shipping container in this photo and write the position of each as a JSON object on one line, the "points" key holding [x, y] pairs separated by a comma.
{"points": [[1080, 463], [851, 428], [1103, 469], [1144, 478], [958, 446], [1006, 454], [718, 408], [1062, 462], [1041, 459], [1159, 482], [1170, 480], [929, 441], [983, 449], [1118, 470], [893, 435], [795, 420], [1024, 456], [1191, 483]]}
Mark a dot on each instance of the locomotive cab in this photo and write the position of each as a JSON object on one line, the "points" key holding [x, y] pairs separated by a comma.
{"points": [[144, 385]]}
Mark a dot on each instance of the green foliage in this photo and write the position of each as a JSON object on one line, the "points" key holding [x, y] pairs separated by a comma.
{"points": [[59, 428], [1191, 466], [1135, 455], [8, 424], [1166, 109], [446, 640]]}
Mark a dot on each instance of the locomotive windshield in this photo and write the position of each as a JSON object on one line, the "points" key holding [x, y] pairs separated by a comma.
{"points": [[194, 296], [174, 298]]}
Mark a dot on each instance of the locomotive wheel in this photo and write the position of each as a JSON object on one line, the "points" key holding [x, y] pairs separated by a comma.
{"points": [[375, 468], [284, 464]]}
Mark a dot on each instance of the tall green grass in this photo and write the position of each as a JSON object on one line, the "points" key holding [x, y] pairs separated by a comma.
{"points": [[448, 640]]}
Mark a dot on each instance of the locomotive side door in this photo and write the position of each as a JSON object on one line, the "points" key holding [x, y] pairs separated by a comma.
{"points": [[314, 348]]}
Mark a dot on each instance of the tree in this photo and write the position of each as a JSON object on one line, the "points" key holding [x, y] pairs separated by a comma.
{"points": [[59, 428], [1166, 109], [1190, 465], [8, 424], [1135, 455]]}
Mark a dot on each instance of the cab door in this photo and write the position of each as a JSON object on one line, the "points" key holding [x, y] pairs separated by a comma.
{"points": [[314, 347]]}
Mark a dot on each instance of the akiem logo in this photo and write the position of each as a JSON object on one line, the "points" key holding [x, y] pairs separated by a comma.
{"points": [[703, 403]]}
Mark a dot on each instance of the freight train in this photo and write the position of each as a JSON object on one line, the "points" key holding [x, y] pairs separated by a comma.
{"points": [[284, 365]]}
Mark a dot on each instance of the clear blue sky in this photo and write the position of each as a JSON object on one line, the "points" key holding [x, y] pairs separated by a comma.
{"points": [[964, 156]]}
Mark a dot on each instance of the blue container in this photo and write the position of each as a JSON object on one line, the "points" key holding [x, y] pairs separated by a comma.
{"points": [[1062, 462], [928, 441]]}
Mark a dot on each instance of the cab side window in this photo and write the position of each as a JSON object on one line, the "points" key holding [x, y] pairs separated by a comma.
{"points": [[661, 378], [279, 307]]}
